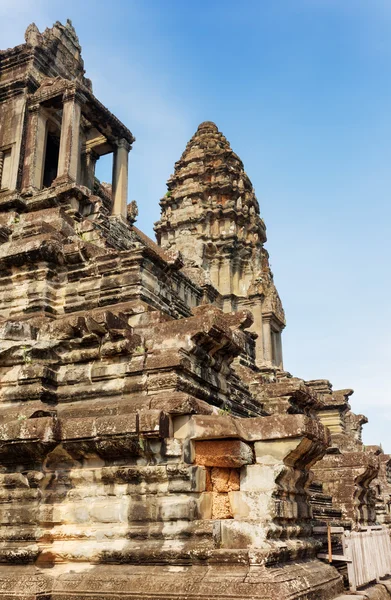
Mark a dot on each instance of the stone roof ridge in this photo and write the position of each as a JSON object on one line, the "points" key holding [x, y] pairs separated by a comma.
{"points": [[62, 42], [70, 30], [172, 258], [66, 33]]}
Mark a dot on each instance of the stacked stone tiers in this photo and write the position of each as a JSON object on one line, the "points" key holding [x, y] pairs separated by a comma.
{"points": [[211, 215], [151, 445], [210, 186], [126, 436]]}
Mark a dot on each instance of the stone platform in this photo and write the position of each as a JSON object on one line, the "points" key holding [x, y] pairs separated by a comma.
{"points": [[306, 581]]}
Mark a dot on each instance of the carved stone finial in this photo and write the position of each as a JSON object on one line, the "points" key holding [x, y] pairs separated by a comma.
{"points": [[32, 35], [72, 32], [208, 126], [132, 212]]}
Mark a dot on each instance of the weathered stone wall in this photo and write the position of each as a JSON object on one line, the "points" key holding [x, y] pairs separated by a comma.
{"points": [[150, 443]]}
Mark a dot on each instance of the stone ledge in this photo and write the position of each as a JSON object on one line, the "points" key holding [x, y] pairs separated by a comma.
{"points": [[223, 453], [249, 430], [233, 579]]}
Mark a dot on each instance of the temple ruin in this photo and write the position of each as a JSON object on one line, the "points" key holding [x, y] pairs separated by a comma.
{"points": [[151, 443]]}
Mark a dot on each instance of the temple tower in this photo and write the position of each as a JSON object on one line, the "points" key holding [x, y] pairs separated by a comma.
{"points": [[211, 215], [142, 452], [53, 129]]}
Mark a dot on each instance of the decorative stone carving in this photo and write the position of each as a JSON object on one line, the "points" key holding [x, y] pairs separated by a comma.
{"points": [[210, 213], [132, 212], [150, 443]]}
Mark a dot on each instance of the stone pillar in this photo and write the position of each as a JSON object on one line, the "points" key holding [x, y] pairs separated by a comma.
{"points": [[267, 340], [120, 178], [226, 281], [34, 162], [90, 161], [69, 156], [256, 309], [237, 280], [225, 272], [279, 360], [274, 347]]}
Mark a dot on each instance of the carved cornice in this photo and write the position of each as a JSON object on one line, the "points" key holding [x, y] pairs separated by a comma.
{"points": [[73, 95], [122, 143], [94, 111]]}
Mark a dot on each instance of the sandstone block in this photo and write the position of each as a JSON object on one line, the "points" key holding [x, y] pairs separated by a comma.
{"points": [[282, 426], [173, 448], [258, 478], [205, 427], [177, 508], [223, 480], [252, 505], [28, 429], [13, 480], [221, 508], [115, 425], [112, 511], [287, 451], [154, 423], [243, 534], [186, 479], [223, 453], [205, 505], [78, 428]]}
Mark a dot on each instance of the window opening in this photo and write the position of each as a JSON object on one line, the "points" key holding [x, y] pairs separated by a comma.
{"points": [[51, 159], [5, 169]]}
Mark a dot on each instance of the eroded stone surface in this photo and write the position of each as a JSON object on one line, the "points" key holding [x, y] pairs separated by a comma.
{"points": [[150, 442]]}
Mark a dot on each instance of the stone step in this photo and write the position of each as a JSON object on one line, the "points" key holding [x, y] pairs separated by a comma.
{"points": [[327, 514], [316, 487], [23, 535], [321, 499], [322, 504]]}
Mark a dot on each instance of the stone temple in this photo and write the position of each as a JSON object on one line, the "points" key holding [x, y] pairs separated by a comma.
{"points": [[152, 446]]}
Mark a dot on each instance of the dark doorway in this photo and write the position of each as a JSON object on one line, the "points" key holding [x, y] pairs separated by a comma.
{"points": [[51, 160]]}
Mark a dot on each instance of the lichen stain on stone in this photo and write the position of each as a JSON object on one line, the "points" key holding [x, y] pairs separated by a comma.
{"points": [[151, 443]]}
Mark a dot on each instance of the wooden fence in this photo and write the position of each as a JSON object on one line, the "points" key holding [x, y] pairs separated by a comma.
{"points": [[368, 555]]}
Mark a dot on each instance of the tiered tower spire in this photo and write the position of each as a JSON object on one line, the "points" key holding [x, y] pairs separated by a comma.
{"points": [[211, 215]]}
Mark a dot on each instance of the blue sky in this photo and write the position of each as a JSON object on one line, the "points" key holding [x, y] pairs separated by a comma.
{"points": [[302, 89]]}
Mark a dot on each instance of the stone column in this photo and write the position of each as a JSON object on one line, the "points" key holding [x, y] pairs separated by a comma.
{"points": [[34, 162], [267, 340], [256, 309], [280, 362], [214, 272], [274, 347], [225, 282], [236, 264], [120, 178], [69, 156], [90, 161]]}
